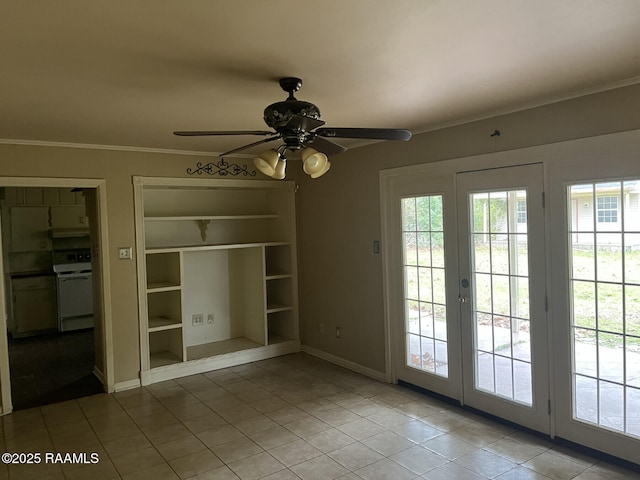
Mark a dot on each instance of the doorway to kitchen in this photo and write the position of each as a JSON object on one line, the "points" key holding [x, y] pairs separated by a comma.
{"points": [[54, 301]]}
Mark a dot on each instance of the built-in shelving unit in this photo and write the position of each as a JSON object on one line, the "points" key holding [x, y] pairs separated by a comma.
{"points": [[217, 274]]}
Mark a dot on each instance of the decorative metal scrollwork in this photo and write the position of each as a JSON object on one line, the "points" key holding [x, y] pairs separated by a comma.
{"points": [[221, 168]]}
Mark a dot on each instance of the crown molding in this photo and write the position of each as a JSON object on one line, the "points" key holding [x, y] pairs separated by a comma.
{"points": [[542, 102], [122, 148]]}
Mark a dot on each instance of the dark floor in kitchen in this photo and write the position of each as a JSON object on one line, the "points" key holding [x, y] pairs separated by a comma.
{"points": [[52, 368]]}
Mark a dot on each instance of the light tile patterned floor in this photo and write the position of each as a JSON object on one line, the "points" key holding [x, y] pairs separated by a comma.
{"points": [[293, 417]]}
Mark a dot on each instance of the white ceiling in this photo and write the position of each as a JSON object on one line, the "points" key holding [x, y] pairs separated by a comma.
{"points": [[129, 72]]}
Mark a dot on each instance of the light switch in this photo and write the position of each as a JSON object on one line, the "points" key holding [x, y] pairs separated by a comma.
{"points": [[124, 253]]}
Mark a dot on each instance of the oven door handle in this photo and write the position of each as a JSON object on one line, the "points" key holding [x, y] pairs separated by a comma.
{"points": [[69, 278]]}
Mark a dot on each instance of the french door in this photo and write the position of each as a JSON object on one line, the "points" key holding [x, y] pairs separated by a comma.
{"points": [[473, 290], [556, 351], [596, 299], [502, 293], [419, 267]]}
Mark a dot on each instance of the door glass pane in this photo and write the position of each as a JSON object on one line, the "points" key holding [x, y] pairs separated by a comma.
{"points": [[604, 247], [424, 288], [499, 266]]}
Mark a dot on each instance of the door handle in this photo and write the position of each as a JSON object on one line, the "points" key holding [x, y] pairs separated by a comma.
{"points": [[463, 299]]}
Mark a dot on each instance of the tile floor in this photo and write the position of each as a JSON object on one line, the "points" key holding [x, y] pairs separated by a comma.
{"points": [[292, 417]]}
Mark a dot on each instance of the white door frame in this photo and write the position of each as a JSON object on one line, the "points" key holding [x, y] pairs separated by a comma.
{"points": [[621, 162], [569, 156], [528, 177], [103, 258], [394, 189]]}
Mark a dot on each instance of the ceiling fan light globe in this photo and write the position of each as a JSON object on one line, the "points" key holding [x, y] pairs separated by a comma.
{"points": [[313, 161], [280, 169], [323, 171], [267, 161]]}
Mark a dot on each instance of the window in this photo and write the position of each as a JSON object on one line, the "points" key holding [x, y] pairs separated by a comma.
{"points": [[424, 284], [521, 211], [605, 301], [608, 209]]}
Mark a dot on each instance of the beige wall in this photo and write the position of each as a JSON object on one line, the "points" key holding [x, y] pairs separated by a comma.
{"points": [[339, 214], [117, 168]]}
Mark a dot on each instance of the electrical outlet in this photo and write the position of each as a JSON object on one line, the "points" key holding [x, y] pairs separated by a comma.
{"points": [[210, 318], [124, 253], [197, 319], [338, 333]]}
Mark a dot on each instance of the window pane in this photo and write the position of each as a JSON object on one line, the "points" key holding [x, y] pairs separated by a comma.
{"points": [[424, 289], [501, 294], [409, 214], [632, 314], [583, 259], [584, 304], [633, 412], [423, 214], [610, 316], [522, 382], [586, 398], [423, 247], [581, 207], [585, 352], [410, 249], [607, 206], [612, 406], [632, 256], [610, 357], [609, 257]]}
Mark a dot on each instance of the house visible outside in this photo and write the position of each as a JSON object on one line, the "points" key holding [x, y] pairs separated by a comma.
{"points": [[599, 208]]}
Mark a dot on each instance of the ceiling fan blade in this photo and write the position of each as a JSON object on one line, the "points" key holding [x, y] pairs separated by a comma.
{"points": [[300, 122], [372, 133], [198, 133], [327, 147], [244, 147]]}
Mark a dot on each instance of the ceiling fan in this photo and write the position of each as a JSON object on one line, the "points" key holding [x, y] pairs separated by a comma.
{"points": [[297, 123]]}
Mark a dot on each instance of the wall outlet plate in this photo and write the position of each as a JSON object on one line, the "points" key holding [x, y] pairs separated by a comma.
{"points": [[210, 318], [197, 319], [125, 253]]}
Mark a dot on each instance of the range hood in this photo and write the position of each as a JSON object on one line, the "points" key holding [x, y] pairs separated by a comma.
{"points": [[76, 232]]}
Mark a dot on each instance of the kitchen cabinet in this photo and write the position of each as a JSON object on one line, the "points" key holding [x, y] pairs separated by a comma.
{"points": [[34, 305], [217, 274], [32, 196], [30, 229]]}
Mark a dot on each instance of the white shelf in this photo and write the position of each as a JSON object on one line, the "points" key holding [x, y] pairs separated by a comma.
{"points": [[157, 324], [219, 348], [274, 308], [277, 276], [275, 339], [161, 287], [222, 246], [160, 359], [263, 216]]}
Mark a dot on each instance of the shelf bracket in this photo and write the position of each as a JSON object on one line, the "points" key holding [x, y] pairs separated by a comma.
{"points": [[203, 225]]}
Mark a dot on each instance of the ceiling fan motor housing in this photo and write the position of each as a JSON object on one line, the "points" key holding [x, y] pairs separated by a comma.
{"points": [[278, 114]]}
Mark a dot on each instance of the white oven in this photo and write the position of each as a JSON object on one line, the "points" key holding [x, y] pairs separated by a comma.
{"points": [[75, 296]]}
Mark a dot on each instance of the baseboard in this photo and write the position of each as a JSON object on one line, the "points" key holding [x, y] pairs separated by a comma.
{"points": [[127, 385], [98, 374], [348, 364]]}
